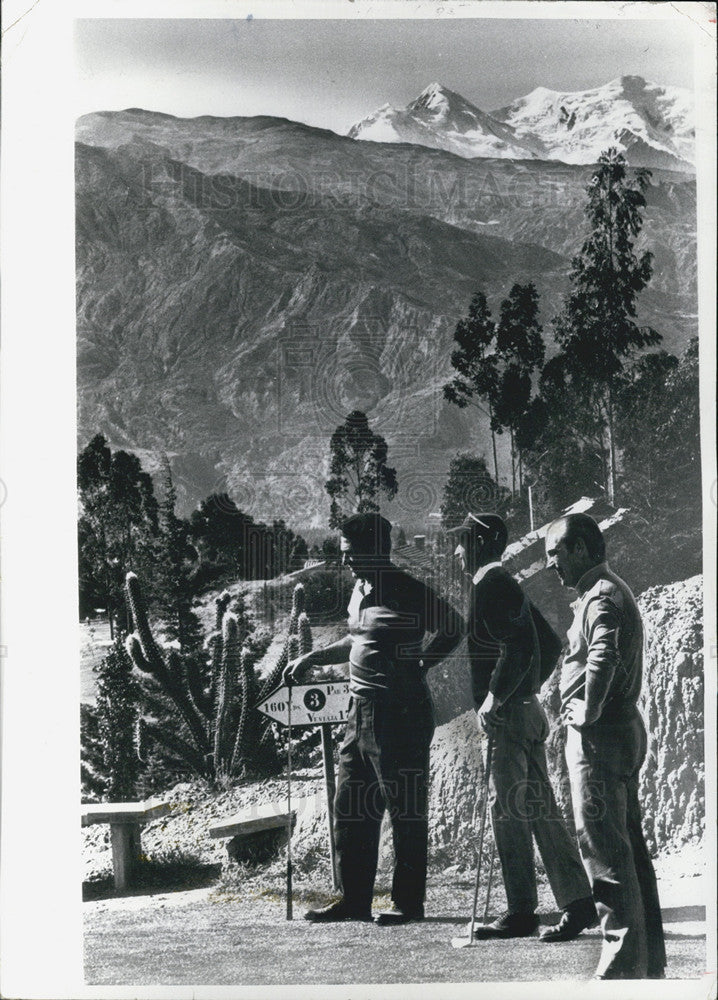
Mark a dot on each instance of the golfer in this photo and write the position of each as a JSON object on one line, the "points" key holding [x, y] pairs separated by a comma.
{"points": [[384, 759], [605, 748], [504, 657]]}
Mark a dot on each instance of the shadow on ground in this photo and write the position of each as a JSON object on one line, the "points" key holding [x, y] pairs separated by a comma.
{"points": [[152, 877]]}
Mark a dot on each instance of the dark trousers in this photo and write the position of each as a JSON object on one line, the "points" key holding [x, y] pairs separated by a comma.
{"points": [[603, 764], [384, 765], [523, 808]]}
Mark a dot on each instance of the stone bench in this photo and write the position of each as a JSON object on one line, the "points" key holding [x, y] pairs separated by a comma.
{"points": [[251, 821], [125, 819]]}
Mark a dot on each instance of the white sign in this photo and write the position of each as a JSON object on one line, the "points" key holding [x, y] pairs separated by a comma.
{"points": [[312, 704]]}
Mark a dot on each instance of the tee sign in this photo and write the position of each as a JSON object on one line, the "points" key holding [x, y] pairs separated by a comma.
{"points": [[312, 704]]}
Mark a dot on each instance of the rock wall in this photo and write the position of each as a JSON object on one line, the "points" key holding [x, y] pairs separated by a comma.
{"points": [[673, 778]]}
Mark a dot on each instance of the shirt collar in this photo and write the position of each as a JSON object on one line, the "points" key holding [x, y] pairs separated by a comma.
{"points": [[590, 577], [483, 570]]}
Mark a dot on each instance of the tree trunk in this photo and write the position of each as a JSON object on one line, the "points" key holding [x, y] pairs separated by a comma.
{"points": [[611, 450], [493, 445], [513, 465]]}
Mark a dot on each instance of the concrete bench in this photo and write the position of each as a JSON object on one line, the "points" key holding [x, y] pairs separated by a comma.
{"points": [[252, 820], [125, 819]]}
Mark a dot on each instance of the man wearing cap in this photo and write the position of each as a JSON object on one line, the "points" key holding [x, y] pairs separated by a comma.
{"points": [[605, 748], [504, 657], [384, 759]]}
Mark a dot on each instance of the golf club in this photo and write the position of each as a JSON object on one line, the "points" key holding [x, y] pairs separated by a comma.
{"points": [[289, 800], [467, 942]]}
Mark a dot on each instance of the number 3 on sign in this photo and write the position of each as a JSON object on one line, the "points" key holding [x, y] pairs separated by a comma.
{"points": [[315, 700]]}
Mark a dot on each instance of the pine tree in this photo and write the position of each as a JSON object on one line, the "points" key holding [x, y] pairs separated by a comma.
{"points": [[597, 329], [358, 470], [476, 364]]}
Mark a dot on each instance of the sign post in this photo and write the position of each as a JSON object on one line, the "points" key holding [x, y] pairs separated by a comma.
{"points": [[289, 806], [323, 705], [330, 783]]}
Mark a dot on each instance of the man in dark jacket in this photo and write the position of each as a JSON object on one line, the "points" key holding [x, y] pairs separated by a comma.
{"points": [[505, 673], [384, 759], [605, 748]]}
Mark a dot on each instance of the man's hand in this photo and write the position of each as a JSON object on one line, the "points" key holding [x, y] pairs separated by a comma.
{"points": [[488, 713], [574, 714], [296, 669]]}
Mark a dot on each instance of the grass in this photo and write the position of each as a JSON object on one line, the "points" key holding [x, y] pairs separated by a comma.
{"points": [[242, 937]]}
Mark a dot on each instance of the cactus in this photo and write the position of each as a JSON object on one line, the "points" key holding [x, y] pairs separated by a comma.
{"points": [[211, 697], [275, 675], [243, 742], [141, 739], [304, 631], [229, 673], [222, 734]]}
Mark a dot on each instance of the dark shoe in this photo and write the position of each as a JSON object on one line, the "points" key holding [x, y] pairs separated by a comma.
{"points": [[336, 912], [574, 919], [396, 915], [510, 925]]}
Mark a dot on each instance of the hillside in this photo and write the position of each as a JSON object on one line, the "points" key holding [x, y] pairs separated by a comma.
{"points": [[243, 283]]}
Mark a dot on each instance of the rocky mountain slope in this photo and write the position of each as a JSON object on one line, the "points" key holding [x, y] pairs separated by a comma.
{"points": [[242, 284], [652, 125]]}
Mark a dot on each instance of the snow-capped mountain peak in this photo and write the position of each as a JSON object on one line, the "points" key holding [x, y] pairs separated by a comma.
{"points": [[443, 119], [651, 124]]}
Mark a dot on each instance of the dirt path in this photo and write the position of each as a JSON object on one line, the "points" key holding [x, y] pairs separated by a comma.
{"points": [[243, 938]]}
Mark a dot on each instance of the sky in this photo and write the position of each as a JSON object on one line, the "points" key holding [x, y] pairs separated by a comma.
{"points": [[332, 73]]}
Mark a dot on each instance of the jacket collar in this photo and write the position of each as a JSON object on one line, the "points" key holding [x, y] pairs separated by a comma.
{"points": [[590, 577]]}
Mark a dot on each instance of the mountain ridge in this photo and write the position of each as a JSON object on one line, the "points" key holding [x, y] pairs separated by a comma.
{"points": [[241, 287], [652, 125]]}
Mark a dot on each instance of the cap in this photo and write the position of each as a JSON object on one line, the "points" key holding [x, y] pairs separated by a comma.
{"points": [[488, 527], [369, 533]]}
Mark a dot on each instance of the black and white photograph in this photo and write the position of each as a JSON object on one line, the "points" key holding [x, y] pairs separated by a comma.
{"points": [[359, 499]]}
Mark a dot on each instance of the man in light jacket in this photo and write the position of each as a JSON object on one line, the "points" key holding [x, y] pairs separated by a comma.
{"points": [[605, 748]]}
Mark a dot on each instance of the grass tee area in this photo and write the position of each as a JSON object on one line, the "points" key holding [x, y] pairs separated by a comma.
{"points": [[241, 937]]}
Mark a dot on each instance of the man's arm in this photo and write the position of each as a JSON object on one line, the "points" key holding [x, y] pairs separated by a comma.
{"points": [[601, 623], [337, 652], [447, 627], [507, 614]]}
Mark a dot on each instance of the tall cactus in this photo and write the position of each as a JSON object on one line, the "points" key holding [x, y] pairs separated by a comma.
{"points": [[211, 699], [275, 675], [223, 734], [228, 676], [304, 631], [243, 743], [146, 656]]}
